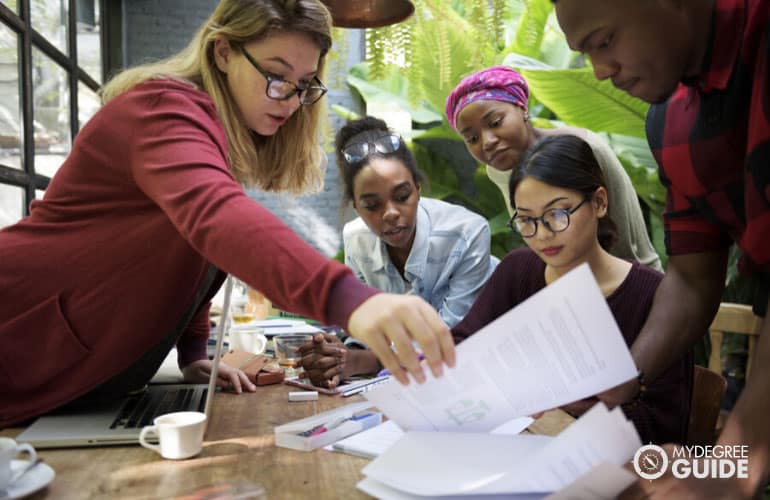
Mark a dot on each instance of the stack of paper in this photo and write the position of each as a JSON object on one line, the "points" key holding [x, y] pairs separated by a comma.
{"points": [[438, 464], [559, 346]]}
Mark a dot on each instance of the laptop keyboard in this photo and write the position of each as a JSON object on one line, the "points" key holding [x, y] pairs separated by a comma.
{"points": [[141, 409]]}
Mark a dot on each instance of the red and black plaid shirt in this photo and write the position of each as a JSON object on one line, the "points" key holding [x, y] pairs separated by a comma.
{"points": [[711, 140]]}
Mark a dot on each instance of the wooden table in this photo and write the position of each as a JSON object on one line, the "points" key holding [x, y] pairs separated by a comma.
{"points": [[239, 446]]}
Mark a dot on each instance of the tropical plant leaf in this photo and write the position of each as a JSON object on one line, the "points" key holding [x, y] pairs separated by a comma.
{"points": [[442, 36], [498, 224], [440, 175], [635, 155], [577, 98], [531, 27], [490, 200], [345, 113], [442, 131], [392, 89], [449, 39]]}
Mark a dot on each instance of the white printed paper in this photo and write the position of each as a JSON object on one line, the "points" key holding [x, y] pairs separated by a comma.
{"points": [[486, 464], [559, 346]]}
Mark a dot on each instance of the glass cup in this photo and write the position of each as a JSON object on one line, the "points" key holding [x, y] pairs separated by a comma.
{"points": [[248, 305], [287, 348], [241, 312]]}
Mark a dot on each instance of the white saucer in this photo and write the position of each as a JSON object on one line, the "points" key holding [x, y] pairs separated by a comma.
{"points": [[34, 479]]}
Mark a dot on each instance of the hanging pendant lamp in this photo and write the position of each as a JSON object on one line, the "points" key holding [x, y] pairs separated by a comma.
{"points": [[368, 13]]}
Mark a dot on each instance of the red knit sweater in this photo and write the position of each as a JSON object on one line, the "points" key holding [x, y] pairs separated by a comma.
{"points": [[109, 260]]}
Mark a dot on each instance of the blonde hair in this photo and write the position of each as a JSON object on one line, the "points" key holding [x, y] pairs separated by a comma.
{"points": [[292, 159]]}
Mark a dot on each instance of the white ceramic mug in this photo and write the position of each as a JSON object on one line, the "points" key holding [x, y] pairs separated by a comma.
{"points": [[247, 338], [180, 434], [9, 450]]}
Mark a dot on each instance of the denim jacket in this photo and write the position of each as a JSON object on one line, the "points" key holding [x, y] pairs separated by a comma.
{"points": [[448, 265]]}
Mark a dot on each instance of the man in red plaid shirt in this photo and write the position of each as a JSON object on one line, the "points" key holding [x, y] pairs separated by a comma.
{"points": [[704, 65]]}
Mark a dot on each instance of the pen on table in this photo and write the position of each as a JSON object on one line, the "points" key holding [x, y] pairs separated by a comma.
{"points": [[385, 371], [331, 425]]}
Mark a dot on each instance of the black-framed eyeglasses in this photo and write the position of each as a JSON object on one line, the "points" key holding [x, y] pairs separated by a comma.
{"points": [[279, 89], [388, 143], [555, 220]]}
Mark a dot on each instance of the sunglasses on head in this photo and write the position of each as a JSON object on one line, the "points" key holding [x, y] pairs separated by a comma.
{"points": [[384, 144]]}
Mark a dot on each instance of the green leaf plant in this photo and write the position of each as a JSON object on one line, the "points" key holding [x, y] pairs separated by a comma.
{"points": [[416, 64]]}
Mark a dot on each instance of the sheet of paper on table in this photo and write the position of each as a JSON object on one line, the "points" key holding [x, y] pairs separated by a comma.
{"points": [[373, 442], [559, 346], [471, 464]]}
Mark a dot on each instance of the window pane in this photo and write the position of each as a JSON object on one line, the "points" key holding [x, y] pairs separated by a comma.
{"points": [[89, 42], [12, 4], [39, 194], [49, 18], [51, 113], [11, 204], [88, 103], [10, 109]]}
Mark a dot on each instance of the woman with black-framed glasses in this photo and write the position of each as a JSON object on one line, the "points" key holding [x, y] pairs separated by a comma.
{"points": [[119, 261], [400, 243], [560, 203]]}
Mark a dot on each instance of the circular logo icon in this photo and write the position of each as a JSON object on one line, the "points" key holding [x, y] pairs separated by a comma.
{"points": [[650, 461]]}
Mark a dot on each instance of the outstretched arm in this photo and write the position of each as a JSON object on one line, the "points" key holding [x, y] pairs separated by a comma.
{"points": [[685, 304]]}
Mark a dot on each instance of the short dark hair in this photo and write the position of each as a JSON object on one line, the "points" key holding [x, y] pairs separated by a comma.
{"points": [[369, 128], [568, 162]]}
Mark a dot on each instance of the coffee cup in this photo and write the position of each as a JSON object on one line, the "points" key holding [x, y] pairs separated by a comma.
{"points": [[180, 434], [247, 338], [10, 450]]}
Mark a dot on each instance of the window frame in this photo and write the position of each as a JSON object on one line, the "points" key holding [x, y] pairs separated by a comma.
{"points": [[21, 24]]}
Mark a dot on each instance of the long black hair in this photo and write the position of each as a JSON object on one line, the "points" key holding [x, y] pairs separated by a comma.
{"points": [[368, 129], [566, 161]]}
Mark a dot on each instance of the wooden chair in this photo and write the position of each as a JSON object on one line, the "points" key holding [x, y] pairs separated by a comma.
{"points": [[708, 387], [733, 318]]}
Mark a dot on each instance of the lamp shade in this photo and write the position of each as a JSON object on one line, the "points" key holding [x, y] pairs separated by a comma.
{"points": [[368, 13]]}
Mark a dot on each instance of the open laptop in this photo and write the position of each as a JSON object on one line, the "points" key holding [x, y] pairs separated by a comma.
{"points": [[121, 421]]}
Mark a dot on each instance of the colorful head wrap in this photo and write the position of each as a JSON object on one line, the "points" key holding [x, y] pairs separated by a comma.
{"points": [[498, 83]]}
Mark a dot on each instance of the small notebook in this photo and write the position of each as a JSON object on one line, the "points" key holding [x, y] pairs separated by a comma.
{"points": [[372, 442]]}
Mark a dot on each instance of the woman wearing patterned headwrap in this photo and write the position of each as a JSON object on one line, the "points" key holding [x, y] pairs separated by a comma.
{"points": [[489, 110]]}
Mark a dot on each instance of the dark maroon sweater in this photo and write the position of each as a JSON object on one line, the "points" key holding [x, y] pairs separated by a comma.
{"points": [[663, 414]]}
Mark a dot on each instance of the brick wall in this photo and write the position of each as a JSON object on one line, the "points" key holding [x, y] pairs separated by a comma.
{"points": [[153, 30]]}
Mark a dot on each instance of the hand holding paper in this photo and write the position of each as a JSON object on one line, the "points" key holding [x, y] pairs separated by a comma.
{"points": [[559, 346], [386, 320]]}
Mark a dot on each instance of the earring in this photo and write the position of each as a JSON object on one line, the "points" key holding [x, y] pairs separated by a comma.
{"points": [[526, 116]]}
